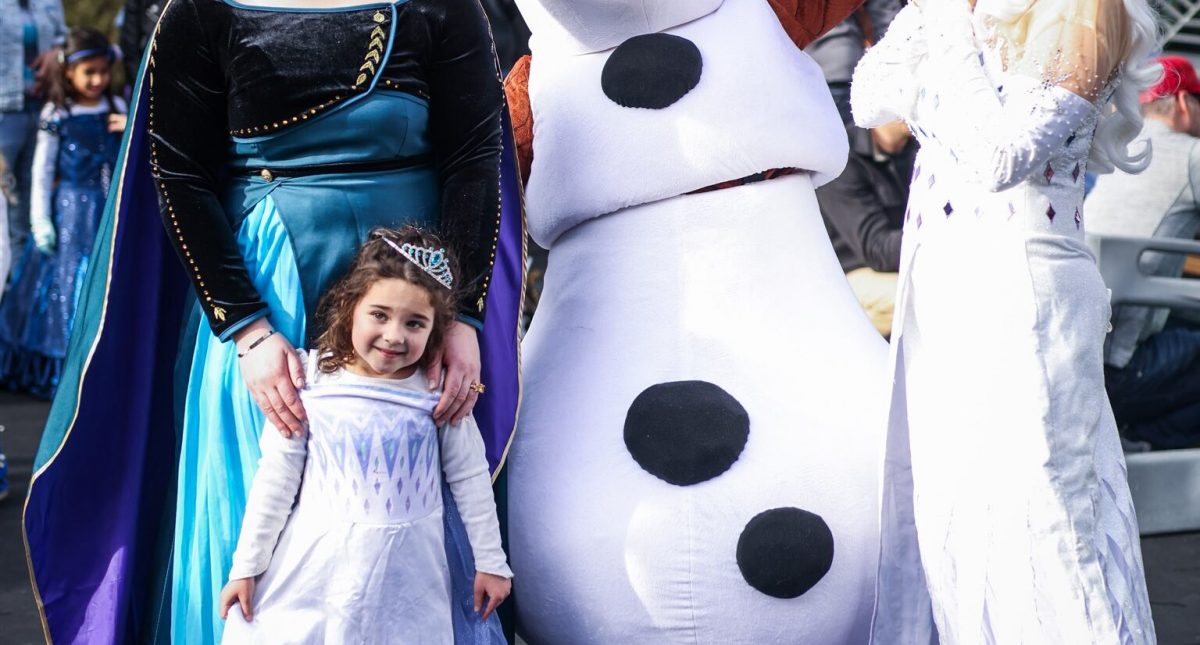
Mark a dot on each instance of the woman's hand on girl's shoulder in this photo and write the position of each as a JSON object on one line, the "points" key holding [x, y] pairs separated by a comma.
{"points": [[460, 359], [495, 588], [273, 374], [241, 592]]}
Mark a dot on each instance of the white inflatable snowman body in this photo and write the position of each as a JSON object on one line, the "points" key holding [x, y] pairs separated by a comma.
{"points": [[701, 429]]}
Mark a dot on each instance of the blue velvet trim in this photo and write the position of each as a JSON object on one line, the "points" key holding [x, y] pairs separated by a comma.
{"points": [[478, 325], [241, 324]]}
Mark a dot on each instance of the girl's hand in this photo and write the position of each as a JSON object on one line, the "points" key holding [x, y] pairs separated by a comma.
{"points": [[460, 358], [116, 122], [237, 591], [496, 588], [273, 374], [44, 238]]}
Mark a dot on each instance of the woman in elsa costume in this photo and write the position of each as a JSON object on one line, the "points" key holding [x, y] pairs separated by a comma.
{"points": [[1006, 512], [269, 139]]}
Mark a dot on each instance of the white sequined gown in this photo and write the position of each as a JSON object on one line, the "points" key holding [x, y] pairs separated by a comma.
{"points": [[1006, 513]]}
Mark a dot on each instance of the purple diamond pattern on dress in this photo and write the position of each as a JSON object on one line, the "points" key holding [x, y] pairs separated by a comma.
{"points": [[932, 180], [1049, 172], [362, 449], [339, 452], [391, 450], [918, 220], [414, 449], [1075, 172], [1012, 210], [916, 173], [1050, 212], [1078, 219], [372, 486], [947, 209]]}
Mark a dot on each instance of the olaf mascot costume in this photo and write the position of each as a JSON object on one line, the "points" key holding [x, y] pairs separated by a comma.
{"points": [[697, 451]]}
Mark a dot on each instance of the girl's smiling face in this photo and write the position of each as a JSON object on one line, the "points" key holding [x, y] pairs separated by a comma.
{"points": [[390, 329], [89, 78]]}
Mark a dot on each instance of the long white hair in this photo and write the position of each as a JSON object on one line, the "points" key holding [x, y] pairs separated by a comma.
{"points": [[1121, 119]]}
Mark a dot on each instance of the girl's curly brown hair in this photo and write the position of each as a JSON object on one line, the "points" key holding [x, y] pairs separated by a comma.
{"points": [[376, 261]]}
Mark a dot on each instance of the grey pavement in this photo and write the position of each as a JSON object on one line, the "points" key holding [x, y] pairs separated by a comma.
{"points": [[22, 418], [1172, 561]]}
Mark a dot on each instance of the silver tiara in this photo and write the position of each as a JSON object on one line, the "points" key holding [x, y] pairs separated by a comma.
{"points": [[430, 260]]}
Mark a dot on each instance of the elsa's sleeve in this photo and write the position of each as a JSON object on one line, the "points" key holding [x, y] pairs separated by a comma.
{"points": [[466, 470], [1062, 65], [269, 504], [884, 87]]}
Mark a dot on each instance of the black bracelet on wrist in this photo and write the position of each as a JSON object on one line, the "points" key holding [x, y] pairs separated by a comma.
{"points": [[256, 343]]}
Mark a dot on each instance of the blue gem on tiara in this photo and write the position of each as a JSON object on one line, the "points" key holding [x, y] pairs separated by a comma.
{"points": [[430, 260]]}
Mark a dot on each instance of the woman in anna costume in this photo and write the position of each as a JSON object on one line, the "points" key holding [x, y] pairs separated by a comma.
{"points": [[269, 139]]}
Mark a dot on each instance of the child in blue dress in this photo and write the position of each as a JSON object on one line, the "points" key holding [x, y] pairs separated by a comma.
{"points": [[77, 143], [345, 538]]}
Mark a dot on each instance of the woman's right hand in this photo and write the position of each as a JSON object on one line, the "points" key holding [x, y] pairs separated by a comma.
{"points": [[273, 375]]}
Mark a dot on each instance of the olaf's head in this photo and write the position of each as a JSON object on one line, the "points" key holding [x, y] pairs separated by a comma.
{"points": [[586, 26]]}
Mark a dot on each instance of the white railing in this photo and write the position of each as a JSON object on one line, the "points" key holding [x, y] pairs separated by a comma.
{"points": [[1181, 26]]}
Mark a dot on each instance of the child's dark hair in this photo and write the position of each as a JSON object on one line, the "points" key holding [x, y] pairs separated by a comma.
{"points": [[378, 260], [82, 43]]}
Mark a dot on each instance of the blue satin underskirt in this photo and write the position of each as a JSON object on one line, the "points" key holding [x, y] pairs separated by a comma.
{"points": [[220, 430]]}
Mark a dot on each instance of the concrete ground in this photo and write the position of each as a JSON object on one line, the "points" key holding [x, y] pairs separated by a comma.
{"points": [[1172, 561]]}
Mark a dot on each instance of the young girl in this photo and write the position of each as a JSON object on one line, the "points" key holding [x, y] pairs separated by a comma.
{"points": [[76, 150], [361, 556]]}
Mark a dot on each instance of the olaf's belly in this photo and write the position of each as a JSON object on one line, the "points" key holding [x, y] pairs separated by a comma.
{"points": [[697, 447]]}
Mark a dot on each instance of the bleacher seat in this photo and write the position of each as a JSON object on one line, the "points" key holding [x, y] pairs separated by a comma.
{"points": [[1165, 484]]}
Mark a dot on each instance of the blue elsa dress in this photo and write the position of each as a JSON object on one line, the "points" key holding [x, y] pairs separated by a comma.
{"points": [[297, 197], [39, 304]]}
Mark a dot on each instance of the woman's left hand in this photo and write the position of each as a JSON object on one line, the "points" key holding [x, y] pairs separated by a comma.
{"points": [[460, 360]]}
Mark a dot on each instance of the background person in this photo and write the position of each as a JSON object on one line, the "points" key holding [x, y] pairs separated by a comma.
{"points": [[78, 139], [839, 49], [1152, 361], [29, 29], [863, 211]]}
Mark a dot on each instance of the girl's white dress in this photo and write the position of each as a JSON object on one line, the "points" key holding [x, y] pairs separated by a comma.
{"points": [[359, 555], [1006, 514]]}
